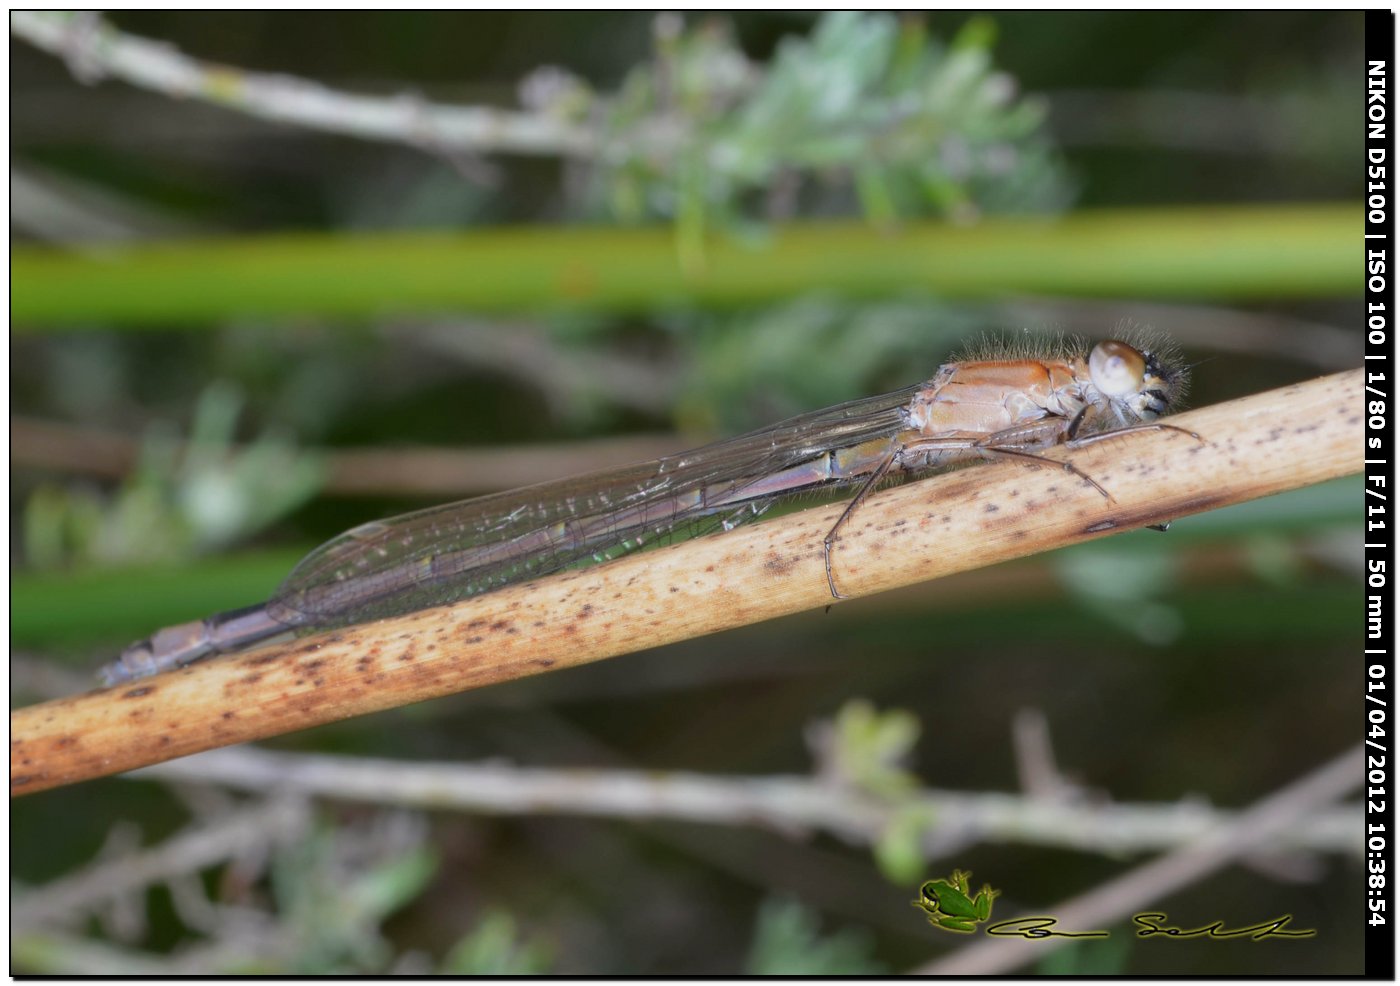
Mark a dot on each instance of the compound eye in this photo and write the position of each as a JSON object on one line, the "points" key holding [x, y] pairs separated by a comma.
{"points": [[1117, 369]]}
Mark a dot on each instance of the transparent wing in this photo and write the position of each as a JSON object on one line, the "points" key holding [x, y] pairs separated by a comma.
{"points": [[446, 553]]}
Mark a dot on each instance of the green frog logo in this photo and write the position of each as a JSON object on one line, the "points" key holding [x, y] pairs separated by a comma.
{"points": [[949, 903]]}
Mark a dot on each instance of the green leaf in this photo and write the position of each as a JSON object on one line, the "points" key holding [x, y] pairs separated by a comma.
{"points": [[494, 948], [899, 851], [867, 747]]}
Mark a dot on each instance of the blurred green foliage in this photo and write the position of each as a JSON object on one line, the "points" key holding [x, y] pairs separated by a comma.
{"points": [[334, 891], [913, 124], [1108, 957], [174, 506], [865, 749], [494, 948], [788, 942]]}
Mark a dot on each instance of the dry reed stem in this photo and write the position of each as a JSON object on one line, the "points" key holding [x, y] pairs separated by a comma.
{"points": [[406, 470], [1253, 447]]}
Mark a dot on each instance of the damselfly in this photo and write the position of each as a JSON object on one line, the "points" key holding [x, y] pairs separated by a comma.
{"points": [[1010, 405]]}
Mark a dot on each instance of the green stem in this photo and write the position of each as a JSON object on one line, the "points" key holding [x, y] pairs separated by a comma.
{"points": [[1235, 253]]}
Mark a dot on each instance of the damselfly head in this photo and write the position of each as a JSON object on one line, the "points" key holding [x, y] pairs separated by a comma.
{"points": [[1140, 382]]}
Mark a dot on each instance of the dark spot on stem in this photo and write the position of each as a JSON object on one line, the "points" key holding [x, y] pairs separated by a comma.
{"points": [[778, 566]]}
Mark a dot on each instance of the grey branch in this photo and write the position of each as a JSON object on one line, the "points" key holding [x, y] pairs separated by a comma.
{"points": [[789, 804], [93, 48], [273, 821]]}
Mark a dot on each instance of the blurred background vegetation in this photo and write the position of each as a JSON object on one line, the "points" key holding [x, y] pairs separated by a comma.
{"points": [[235, 337]]}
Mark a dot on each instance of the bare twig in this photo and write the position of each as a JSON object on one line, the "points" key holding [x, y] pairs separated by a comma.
{"points": [[410, 471], [1035, 757], [1253, 447], [272, 822], [1151, 882], [93, 49], [41, 444], [527, 353], [76, 955], [61, 209], [1211, 327], [784, 803], [486, 469], [1214, 123]]}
